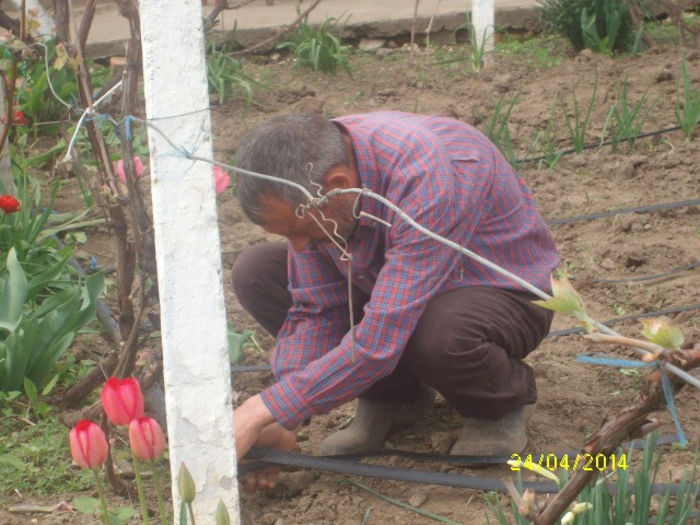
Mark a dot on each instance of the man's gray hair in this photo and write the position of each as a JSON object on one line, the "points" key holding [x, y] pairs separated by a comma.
{"points": [[301, 148]]}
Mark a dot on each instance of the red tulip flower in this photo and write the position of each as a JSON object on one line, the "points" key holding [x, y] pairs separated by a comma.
{"points": [[19, 118], [88, 444], [9, 204], [146, 438], [122, 400]]}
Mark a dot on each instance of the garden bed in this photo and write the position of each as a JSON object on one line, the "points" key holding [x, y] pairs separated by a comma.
{"points": [[574, 398]]}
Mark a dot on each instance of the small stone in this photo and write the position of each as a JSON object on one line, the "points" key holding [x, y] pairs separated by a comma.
{"points": [[304, 503], [389, 92], [357, 500], [417, 499], [384, 52], [294, 483], [269, 518], [637, 160], [608, 264], [625, 223], [647, 226], [371, 44], [664, 76], [625, 168], [441, 442], [635, 261]]}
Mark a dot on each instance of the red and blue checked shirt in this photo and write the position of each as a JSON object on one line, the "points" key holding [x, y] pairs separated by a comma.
{"points": [[451, 179]]}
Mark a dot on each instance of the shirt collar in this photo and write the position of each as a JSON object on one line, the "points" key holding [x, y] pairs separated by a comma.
{"points": [[369, 176]]}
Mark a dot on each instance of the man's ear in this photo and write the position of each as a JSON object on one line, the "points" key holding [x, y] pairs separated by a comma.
{"points": [[339, 177]]}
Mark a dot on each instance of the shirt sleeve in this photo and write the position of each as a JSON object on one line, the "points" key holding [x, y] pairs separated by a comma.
{"points": [[415, 269]]}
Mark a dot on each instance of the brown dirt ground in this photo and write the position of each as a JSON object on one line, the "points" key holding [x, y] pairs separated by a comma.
{"points": [[573, 398]]}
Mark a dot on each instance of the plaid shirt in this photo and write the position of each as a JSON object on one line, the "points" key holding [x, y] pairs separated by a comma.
{"points": [[449, 178]]}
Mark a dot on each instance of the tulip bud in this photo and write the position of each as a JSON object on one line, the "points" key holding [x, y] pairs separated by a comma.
{"points": [[122, 400], [222, 517], [146, 438], [221, 180], [121, 173], [185, 484], [578, 508], [88, 444]]}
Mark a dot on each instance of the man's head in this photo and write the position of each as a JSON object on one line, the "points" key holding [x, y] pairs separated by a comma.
{"points": [[304, 148]]}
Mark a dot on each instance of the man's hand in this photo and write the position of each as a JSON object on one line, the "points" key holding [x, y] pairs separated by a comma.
{"points": [[255, 425]]}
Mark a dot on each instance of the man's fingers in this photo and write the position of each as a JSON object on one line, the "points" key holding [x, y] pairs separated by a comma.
{"points": [[249, 483], [260, 480]]}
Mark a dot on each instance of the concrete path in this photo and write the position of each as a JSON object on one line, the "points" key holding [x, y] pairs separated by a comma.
{"points": [[365, 18]]}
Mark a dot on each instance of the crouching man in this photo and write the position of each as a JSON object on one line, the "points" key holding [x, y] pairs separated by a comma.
{"points": [[427, 317]]}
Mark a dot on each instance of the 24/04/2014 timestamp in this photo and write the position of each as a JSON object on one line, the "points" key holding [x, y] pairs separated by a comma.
{"points": [[587, 462]]}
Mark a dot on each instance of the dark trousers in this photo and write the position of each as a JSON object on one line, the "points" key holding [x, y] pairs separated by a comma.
{"points": [[468, 344]]}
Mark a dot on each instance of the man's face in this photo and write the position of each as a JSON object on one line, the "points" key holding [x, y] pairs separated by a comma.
{"points": [[305, 232]]}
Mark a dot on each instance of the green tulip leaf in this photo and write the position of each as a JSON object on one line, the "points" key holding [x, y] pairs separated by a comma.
{"points": [[86, 505], [14, 293]]}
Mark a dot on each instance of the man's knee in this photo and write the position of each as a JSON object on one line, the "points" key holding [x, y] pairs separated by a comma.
{"points": [[255, 264], [260, 273], [439, 335]]}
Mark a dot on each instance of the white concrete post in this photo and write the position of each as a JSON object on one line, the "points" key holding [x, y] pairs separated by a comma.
{"points": [[483, 20], [193, 319]]}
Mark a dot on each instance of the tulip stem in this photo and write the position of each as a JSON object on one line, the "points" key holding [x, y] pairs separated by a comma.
{"points": [[189, 508], [159, 494], [103, 501], [139, 487]]}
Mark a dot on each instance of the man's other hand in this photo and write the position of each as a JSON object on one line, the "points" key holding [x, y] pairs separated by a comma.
{"points": [[255, 425]]}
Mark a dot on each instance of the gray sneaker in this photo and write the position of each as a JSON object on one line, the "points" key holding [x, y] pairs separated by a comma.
{"points": [[373, 422], [494, 437]]}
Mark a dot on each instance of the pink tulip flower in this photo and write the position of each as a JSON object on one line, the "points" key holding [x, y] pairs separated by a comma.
{"points": [[221, 180], [119, 168], [88, 444], [122, 400], [146, 438]]}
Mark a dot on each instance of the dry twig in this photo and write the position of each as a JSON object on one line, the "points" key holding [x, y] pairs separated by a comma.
{"points": [[631, 421], [278, 33]]}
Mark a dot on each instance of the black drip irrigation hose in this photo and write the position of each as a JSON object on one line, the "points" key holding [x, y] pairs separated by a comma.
{"points": [[649, 277], [259, 458], [555, 333], [636, 209], [596, 145], [616, 320], [482, 461]]}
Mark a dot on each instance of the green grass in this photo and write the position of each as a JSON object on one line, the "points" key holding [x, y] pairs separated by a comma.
{"points": [[665, 32], [540, 52], [36, 459], [319, 48]]}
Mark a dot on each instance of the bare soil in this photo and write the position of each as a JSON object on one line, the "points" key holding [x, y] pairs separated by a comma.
{"points": [[574, 398]]}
